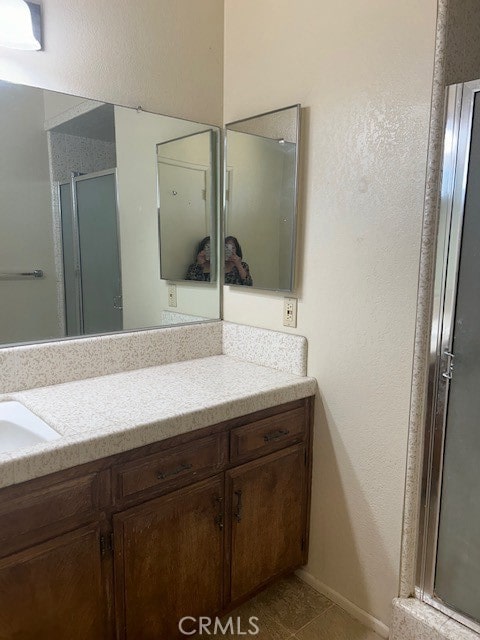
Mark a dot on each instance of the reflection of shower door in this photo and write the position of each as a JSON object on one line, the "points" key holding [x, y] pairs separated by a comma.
{"points": [[91, 254], [451, 562]]}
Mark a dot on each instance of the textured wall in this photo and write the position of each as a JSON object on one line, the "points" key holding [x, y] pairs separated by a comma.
{"points": [[363, 72], [76, 153], [156, 53], [462, 34]]}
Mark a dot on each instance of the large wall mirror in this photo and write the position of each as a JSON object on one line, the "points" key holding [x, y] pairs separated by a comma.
{"points": [[261, 169], [87, 190]]}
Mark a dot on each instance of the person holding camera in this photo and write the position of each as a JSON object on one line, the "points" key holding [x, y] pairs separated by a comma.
{"points": [[200, 269], [236, 270]]}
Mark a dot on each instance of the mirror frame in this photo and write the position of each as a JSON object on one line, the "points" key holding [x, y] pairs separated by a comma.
{"points": [[293, 260]]}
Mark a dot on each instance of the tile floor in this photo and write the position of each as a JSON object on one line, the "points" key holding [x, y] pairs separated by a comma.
{"points": [[292, 609]]}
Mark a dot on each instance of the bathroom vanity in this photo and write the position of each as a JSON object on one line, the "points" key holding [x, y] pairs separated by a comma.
{"points": [[177, 479], [127, 545], [175, 489]]}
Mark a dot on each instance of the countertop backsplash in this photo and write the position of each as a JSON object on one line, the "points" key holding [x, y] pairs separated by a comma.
{"points": [[51, 363]]}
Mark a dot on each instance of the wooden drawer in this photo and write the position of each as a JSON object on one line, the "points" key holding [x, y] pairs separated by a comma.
{"points": [[172, 468], [48, 510], [267, 435]]}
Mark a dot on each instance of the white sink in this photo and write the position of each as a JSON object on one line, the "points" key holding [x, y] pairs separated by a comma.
{"points": [[20, 428]]}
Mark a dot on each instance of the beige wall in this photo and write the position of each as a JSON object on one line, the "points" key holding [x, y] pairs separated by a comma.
{"points": [[129, 53], [363, 73], [28, 308]]}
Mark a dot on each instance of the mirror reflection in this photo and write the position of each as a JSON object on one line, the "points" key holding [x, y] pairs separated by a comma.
{"points": [[187, 203], [236, 270], [261, 197], [79, 242]]}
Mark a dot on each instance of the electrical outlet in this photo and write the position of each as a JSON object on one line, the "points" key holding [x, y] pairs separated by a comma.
{"points": [[172, 295], [289, 312]]}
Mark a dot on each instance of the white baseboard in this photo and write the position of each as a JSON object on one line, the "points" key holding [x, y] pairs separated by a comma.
{"points": [[359, 614]]}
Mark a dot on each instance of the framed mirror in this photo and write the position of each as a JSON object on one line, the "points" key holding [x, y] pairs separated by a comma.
{"points": [[261, 184], [79, 242]]}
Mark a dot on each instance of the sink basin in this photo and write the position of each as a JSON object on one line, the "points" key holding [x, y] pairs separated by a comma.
{"points": [[20, 428]]}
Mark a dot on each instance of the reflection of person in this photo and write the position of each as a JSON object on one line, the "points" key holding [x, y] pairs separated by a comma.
{"points": [[236, 271], [200, 269]]}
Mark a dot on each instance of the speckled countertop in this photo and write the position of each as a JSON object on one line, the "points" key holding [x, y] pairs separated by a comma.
{"points": [[107, 415]]}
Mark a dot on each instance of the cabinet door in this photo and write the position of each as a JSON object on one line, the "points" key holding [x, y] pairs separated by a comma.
{"points": [[55, 590], [169, 561], [267, 503]]}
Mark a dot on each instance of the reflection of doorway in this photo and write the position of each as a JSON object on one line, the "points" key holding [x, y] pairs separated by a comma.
{"points": [[91, 260], [185, 216]]}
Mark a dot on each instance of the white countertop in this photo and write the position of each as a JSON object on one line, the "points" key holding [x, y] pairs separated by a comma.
{"points": [[103, 416]]}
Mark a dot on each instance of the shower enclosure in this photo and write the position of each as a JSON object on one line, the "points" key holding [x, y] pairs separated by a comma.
{"points": [[90, 253], [448, 569]]}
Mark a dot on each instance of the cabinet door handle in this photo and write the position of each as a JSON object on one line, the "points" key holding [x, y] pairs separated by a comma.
{"points": [[238, 508], [275, 435], [183, 467], [219, 516]]}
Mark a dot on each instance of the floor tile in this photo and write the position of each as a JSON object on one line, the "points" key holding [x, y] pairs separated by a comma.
{"points": [[269, 628], [292, 603], [335, 624]]}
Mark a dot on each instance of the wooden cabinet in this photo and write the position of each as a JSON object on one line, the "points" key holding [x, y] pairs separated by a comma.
{"points": [[269, 434], [267, 519], [170, 469], [169, 561], [55, 590], [126, 546], [47, 507]]}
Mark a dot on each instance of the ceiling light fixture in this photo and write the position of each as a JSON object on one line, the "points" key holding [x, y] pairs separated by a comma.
{"points": [[20, 25]]}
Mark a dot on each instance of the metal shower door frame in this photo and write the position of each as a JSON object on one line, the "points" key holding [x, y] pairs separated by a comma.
{"points": [[456, 155]]}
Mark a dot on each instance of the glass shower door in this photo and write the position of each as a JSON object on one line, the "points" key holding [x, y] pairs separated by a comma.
{"points": [[449, 567], [457, 579], [91, 255], [96, 208]]}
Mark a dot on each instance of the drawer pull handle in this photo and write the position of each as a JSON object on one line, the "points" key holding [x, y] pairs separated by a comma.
{"points": [[175, 472], [275, 435], [238, 509]]}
